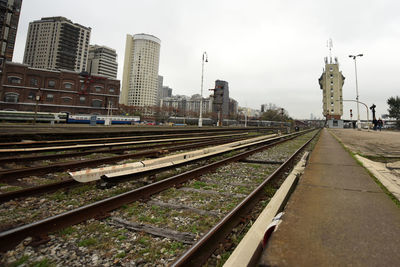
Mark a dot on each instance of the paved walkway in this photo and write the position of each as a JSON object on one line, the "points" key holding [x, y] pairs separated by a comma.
{"points": [[337, 216]]}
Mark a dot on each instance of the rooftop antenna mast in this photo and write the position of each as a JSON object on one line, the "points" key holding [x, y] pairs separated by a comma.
{"points": [[329, 44]]}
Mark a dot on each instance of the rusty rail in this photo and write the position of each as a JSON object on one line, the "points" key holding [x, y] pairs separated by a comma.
{"points": [[198, 254], [100, 209], [106, 140], [70, 182], [11, 175]]}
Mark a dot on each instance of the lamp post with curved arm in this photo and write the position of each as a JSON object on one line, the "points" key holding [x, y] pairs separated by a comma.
{"points": [[204, 59], [358, 106], [359, 113]]}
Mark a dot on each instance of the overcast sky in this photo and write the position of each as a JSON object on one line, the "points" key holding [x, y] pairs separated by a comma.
{"points": [[270, 51]]}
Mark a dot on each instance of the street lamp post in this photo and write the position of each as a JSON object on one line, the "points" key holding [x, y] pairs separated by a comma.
{"points": [[358, 106], [37, 98], [359, 102], [204, 59]]}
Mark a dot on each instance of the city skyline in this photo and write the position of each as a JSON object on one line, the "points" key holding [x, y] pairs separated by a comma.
{"points": [[268, 52]]}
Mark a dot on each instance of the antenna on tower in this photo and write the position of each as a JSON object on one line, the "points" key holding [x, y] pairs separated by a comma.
{"points": [[329, 44]]}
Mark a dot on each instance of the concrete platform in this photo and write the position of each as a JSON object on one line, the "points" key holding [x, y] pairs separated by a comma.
{"points": [[337, 216]]}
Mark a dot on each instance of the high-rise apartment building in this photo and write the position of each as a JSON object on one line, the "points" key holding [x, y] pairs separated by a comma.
{"points": [[9, 17], [166, 92], [57, 43], [102, 61], [140, 76], [331, 83]]}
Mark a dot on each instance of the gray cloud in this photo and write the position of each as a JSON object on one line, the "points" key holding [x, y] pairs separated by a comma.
{"points": [[268, 51]]}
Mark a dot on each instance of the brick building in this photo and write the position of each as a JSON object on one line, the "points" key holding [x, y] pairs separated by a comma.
{"points": [[59, 91]]}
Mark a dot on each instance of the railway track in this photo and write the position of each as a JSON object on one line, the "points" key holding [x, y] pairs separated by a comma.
{"points": [[179, 182], [19, 134], [24, 150], [64, 142], [11, 175], [7, 175]]}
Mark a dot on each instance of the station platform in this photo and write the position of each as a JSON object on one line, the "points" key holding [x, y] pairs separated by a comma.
{"points": [[337, 216]]}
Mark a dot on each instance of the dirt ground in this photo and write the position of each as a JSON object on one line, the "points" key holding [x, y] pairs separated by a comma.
{"points": [[370, 143]]}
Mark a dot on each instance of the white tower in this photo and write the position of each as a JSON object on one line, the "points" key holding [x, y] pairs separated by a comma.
{"points": [[140, 76], [331, 83]]}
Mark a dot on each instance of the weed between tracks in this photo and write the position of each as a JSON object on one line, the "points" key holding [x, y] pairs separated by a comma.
{"points": [[99, 243]]}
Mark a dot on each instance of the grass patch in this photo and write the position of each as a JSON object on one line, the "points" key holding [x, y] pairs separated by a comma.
{"points": [[87, 242], [199, 184], [58, 196], [121, 255], [20, 261], [81, 189], [67, 231], [11, 188], [42, 263]]}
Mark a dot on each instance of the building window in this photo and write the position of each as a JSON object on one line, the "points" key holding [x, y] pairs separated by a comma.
{"points": [[11, 97], [98, 88], [14, 80], [96, 103], [68, 85], [66, 99], [32, 95], [52, 84], [331, 69], [82, 99], [49, 97], [112, 90], [34, 82]]}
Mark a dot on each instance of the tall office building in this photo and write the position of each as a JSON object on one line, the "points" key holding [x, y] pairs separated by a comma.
{"points": [[140, 76], [166, 92], [57, 43], [331, 83], [102, 61], [9, 17]]}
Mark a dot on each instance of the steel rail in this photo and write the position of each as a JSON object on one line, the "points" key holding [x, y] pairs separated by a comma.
{"points": [[11, 175], [31, 158], [100, 209], [198, 254], [36, 190], [72, 147], [17, 135], [105, 140]]}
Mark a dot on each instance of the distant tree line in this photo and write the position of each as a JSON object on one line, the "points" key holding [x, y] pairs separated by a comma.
{"points": [[394, 109], [275, 113]]}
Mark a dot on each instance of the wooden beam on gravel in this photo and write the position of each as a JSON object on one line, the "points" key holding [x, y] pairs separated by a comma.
{"points": [[184, 237]]}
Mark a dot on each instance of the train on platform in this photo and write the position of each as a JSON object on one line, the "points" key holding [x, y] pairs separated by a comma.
{"points": [[180, 121], [29, 116], [101, 119], [64, 117]]}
